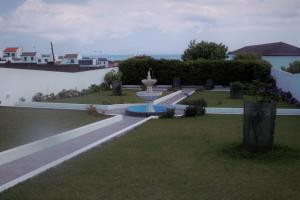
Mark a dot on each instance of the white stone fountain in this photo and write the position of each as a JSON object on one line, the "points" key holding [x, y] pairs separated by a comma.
{"points": [[149, 95]]}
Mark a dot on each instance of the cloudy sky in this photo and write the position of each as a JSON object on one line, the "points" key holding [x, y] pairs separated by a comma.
{"points": [[143, 26]]}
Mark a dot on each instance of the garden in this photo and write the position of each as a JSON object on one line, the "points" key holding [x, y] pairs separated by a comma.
{"points": [[20, 125], [255, 155], [183, 158]]}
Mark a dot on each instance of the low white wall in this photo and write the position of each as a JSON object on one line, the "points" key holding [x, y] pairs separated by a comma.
{"points": [[17, 83], [287, 82], [71, 106]]}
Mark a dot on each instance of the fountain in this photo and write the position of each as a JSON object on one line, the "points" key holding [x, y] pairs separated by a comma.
{"points": [[148, 96]]}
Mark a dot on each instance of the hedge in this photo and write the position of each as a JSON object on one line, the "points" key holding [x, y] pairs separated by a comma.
{"points": [[194, 72]]}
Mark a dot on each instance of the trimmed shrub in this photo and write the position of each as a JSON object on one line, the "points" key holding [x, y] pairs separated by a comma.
{"points": [[195, 107], [169, 114], [194, 72], [92, 110]]}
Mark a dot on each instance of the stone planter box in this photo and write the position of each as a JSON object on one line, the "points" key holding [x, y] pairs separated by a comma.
{"points": [[176, 83], [209, 84], [259, 126], [236, 93], [117, 88]]}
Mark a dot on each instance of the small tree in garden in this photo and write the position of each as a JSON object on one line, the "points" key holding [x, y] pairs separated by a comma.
{"points": [[205, 50], [259, 118], [293, 68], [113, 79]]}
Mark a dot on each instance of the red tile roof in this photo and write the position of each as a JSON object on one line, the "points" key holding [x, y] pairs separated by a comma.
{"points": [[11, 50], [271, 49]]}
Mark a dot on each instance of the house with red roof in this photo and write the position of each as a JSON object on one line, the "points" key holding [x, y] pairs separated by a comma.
{"points": [[279, 54], [11, 54]]}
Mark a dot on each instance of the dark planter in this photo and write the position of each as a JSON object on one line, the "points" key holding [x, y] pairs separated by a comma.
{"points": [[209, 84], [176, 83], [259, 126], [236, 92], [117, 88]]}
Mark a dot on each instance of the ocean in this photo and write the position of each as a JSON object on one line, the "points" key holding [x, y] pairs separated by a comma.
{"points": [[156, 56]]}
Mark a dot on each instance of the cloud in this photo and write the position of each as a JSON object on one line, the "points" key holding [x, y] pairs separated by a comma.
{"points": [[90, 21]]}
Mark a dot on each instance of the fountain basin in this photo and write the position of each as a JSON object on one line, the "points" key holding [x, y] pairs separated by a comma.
{"points": [[142, 110], [149, 82]]}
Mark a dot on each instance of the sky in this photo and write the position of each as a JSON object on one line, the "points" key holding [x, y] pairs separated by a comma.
{"points": [[145, 27]]}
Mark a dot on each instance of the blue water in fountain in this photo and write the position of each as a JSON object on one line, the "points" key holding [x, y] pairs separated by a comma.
{"points": [[142, 109]]}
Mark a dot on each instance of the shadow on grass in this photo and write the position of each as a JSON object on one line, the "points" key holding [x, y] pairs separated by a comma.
{"points": [[279, 153]]}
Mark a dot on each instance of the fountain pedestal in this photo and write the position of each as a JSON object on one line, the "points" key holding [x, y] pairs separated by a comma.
{"points": [[148, 96]]}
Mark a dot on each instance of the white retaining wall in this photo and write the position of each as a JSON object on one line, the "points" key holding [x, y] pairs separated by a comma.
{"points": [[17, 83], [287, 82]]}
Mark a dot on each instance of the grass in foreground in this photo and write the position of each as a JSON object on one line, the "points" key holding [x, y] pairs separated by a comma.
{"points": [[20, 126], [195, 158], [222, 99], [105, 97]]}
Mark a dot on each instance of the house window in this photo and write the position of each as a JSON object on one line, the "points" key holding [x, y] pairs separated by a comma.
{"points": [[72, 61], [25, 58], [31, 58], [13, 54], [39, 60], [46, 60]]}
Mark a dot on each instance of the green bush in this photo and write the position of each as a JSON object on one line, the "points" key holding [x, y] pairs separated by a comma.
{"points": [[169, 114], [113, 76], [293, 68], [195, 107], [194, 72], [192, 111], [247, 56]]}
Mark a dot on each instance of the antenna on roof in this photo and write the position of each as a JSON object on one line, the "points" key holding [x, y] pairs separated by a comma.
{"points": [[52, 53]]}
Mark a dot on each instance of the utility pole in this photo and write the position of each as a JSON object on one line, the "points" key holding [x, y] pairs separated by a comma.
{"points": [[52, 53]]}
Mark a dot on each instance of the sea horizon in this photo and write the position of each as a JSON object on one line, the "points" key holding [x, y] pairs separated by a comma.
{"points": [[121, 57]]}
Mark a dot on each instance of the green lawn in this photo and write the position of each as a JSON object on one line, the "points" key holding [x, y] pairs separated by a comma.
{"points": [[105, 97], [195, 158], [222, 99], [20, 126]]}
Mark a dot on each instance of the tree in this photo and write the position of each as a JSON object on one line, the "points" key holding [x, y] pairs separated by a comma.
{"points": [[247, 56], [205, 50], [293, 68]]}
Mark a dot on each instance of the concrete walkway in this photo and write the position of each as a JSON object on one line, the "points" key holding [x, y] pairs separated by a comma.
{"points": [[26, 167]]}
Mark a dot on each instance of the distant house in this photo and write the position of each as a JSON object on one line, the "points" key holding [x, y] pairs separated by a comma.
{"points": [[45, 59], [11, 54], [103, 62], [88, 62], [29, 57], [278, 54], [71, 59]]}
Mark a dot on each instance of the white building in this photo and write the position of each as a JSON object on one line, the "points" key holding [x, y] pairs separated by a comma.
{"points": [[88, 62], [29, 57], [279, 54], [12, 54], [103, 62], [71, 59], [45, 59]]}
